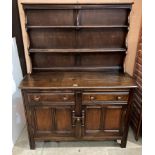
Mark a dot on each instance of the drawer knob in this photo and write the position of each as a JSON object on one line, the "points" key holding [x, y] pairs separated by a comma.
{"points": [[65, 98], [75, 85], [92, 98], [119, 97], [37, 98]]}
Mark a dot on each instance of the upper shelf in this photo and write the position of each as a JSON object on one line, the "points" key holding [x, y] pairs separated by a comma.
{"points": [[77, 27], [78, 50], [75, 1]]}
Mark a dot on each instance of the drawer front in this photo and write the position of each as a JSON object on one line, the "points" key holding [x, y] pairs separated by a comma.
{"points": [[105, 96], [51, 97], [50, 17]]}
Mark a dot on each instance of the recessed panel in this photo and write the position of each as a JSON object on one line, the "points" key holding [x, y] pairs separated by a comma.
{"points": [[63, 119], [48, 60], [52, 38], [102, 38], [102, 59], [113, 118], [104, 16], [93, 118], [43, 119], [49, 17]]}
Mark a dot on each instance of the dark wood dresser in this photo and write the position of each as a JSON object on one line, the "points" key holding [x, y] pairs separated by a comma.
{"points": [[76, 88]]}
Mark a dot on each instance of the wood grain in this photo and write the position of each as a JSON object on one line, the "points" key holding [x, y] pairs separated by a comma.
{"points": [[75, 1], [65, 80], [25, 37]]}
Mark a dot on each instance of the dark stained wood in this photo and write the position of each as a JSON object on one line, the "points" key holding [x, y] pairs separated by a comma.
{"points": [[93, 115], [101, 17], [52, 38], [102, 38], [127, 119], [78, 50], [50, 98], [49, 17], [76, 6], [63, 119], [113, 118], [77, 89], [50, 61], [106, 96], [76, 27], [65, 80], [43, 119], [54, 119], [90, 69]]}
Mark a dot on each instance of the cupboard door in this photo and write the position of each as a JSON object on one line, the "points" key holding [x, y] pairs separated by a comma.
{"points": [[54, 120], [102, 120]]}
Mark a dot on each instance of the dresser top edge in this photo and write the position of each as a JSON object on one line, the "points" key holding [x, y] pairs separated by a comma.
{"points": [[77, 80], [76, 1]]}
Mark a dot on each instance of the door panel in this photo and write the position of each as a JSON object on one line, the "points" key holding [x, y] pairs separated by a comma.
{"points": [[104, 120], [43, 119], [55, 120], [113, 118], [93, 116], [63, 120]]}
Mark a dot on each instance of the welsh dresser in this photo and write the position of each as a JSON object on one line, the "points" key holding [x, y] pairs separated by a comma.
{"points": [[75, 87]]}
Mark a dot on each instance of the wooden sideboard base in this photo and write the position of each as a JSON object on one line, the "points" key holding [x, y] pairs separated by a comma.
{"points": [[97, 108]]}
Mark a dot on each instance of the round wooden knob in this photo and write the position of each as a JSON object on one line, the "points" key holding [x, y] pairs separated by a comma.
{"points": [[75, 85], [37, 98], [65, 98], [78, 119], [92, 98], [119, 97]]}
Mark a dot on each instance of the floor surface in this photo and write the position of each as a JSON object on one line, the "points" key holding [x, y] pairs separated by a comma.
{"points": [[77, 148]]}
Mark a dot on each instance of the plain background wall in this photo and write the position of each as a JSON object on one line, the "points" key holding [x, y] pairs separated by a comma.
{"points": [[18, 118]]}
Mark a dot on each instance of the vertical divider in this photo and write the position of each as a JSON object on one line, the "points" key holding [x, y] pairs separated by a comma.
{"points": [[78, 113], [77, 56]]}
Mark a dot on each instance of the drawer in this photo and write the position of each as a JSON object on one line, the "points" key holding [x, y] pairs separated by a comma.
{"points": [[105, 96], [50, 97], [48, 17]]}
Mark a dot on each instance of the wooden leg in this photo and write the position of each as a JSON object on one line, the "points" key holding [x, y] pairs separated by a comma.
{"points": [[32, 144], [124, 139], [127, 122]]}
